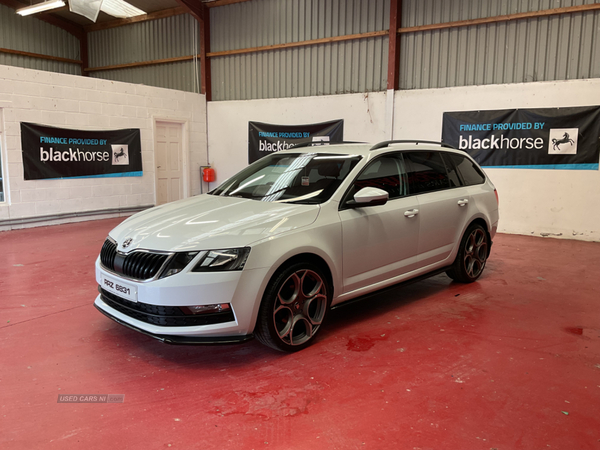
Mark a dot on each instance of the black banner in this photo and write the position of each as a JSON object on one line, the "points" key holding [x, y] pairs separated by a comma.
{"points": [[544, 138], [265, 138], [50, 152]]}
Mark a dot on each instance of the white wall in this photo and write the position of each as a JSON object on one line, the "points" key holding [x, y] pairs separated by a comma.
{"points": [[363, 114], [538, 202], [533, 202], [83, 103]]}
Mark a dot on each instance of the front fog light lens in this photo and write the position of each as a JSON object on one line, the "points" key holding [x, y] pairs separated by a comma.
{"points": [[228, 259], [206, 309], [178, 263]]}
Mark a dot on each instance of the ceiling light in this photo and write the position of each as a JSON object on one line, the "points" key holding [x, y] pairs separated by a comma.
{"points": [[39, 7], [120, 8]]}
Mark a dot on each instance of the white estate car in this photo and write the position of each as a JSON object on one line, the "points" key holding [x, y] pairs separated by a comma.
{"points": [[272, 249]]}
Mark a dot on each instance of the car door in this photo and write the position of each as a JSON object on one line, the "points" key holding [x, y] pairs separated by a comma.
{"points": [[444, 204], [379, 242]]}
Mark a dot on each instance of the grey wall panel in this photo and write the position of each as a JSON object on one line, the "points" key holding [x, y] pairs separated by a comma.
{"points": [[337, 68], [144, 41], [28, 34], [331, 68], [538, 49], [178, 76], [148, 41]]}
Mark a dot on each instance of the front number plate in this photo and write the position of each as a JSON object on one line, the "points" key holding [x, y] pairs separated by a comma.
{"points": [[117, 287]]}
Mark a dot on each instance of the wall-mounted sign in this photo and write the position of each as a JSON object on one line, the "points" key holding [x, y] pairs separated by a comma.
{"points": [[265, 138], [543, 138], [50, 152]]}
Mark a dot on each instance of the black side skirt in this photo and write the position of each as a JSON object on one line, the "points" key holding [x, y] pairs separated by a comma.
{"points": [[391, 288]]}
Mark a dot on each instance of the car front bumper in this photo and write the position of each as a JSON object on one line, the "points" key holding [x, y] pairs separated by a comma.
{"points": [[156, 310], [170, 339]]}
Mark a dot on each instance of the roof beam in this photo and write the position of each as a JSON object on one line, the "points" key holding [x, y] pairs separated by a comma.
{"points": [[205, 69], [194, 7], [223, 3], [503, 18], [154, 62], [394, 44], [328, 40], [40, 56]]}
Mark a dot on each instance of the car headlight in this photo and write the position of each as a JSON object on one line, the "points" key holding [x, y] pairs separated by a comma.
{"points": [[220, 260], [177, 263]]}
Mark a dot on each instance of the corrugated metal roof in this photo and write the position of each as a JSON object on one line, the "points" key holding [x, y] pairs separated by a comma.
{"points": [[28, 34], [537, 49], [330, 68], [148, 41], [178, 76], [534, 49]]}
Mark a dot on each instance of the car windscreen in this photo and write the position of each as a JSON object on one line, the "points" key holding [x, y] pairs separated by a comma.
{"points": [[308, 178]]}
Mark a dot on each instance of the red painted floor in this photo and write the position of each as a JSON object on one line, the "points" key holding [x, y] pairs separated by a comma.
{"points": [[509, 362]]}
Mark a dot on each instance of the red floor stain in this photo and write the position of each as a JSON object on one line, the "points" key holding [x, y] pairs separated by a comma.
{"points": [[574, 330], [433, 365], [363, 343]]}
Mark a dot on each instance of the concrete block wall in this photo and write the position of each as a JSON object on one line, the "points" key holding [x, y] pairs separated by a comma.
{"points": [[76, 102]]}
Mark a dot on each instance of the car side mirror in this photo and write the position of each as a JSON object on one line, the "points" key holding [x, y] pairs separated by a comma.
{"points": [[369, 196]]}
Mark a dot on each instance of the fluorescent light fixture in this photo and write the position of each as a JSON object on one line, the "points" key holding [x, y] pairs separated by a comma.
{"points": [[39, 7], [120, 9]]}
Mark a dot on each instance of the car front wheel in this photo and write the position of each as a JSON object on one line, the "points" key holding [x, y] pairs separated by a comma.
{"points": [[294, 307], [472, 255]]}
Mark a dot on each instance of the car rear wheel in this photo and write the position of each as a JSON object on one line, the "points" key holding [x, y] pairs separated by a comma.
{"points": [[294, 307], [472, 255]]}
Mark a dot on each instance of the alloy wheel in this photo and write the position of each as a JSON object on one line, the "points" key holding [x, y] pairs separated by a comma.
{"points": [[300, 307], [476, 250]]}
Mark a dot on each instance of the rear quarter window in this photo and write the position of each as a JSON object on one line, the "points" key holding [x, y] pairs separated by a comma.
{"points": [[470, 173], [426, 172]]}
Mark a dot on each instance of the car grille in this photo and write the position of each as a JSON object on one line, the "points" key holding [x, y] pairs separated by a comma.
{"points": [[168, 316], [138, 265]]}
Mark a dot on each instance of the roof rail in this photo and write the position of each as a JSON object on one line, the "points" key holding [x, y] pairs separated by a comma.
{"points": [[318, 143], [416, 142]]}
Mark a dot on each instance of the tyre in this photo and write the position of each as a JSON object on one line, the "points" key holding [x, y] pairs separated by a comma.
{"points": [[293, 307], [472, 255]]}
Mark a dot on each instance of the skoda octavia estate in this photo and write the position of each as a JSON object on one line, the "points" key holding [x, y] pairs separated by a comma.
{"points": [[270, 251]]}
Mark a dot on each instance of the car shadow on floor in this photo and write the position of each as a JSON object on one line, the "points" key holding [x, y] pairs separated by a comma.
{"points": [[383, 302], [217, 357]]}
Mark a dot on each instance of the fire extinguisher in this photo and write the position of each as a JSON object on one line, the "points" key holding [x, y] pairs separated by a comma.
{"points": [[208, 175]]}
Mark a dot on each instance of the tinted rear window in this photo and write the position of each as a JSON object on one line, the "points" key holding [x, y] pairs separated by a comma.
{"points": [[470, 173], [426, 172]]}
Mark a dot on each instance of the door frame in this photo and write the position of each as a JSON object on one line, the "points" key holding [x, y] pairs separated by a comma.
{"points": [[185, 152]]}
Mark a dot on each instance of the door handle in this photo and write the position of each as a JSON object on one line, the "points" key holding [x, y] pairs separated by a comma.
{"points": [[411, 213], [463, 202]]}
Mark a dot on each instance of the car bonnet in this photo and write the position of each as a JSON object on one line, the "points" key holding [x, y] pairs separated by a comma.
{"points": [[210, 222]]}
